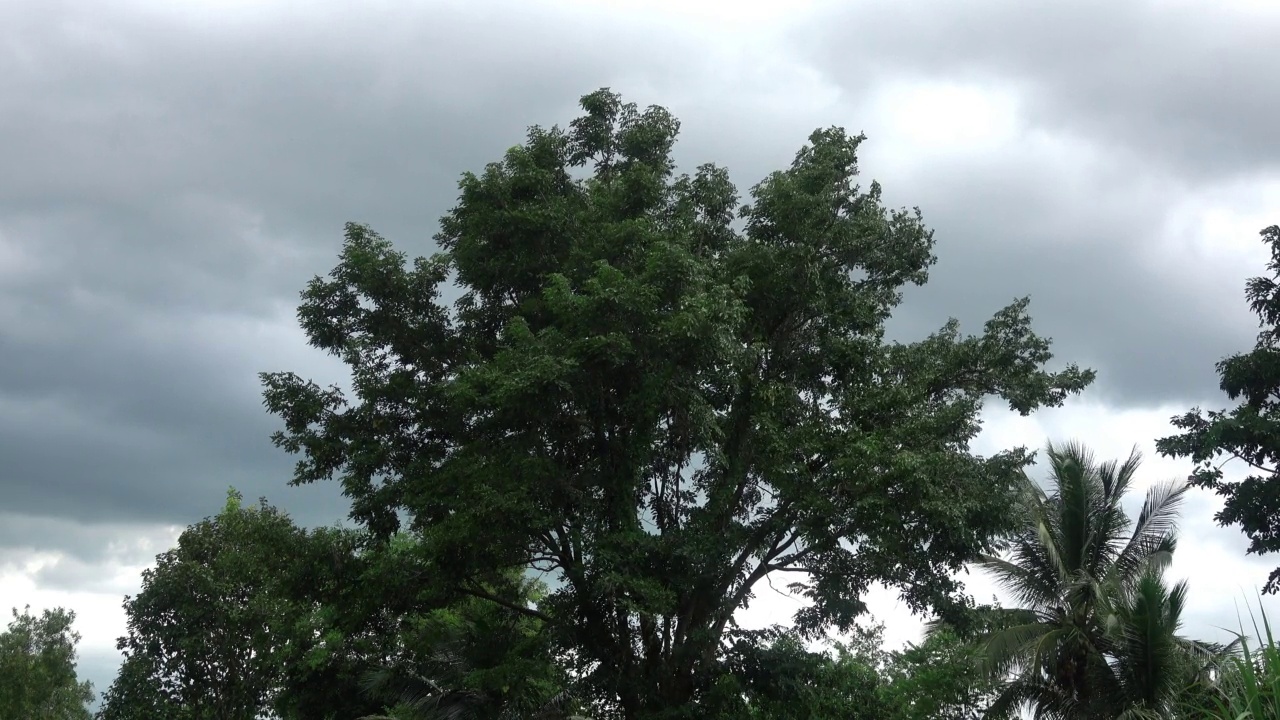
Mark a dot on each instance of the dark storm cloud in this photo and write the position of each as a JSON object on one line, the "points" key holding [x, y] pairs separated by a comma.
{"points": [[173, 176], [99, 667], [1190, 83], [171, 179], [71, 574]]}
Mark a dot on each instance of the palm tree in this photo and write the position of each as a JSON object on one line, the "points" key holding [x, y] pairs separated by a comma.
{"points": [[1095, 634], [1153, 671]]}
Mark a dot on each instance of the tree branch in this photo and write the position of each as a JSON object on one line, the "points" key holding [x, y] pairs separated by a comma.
{"points": [[767, 526], [1250, 463], [736, 450], [789, 561], [762, 570], [475, 592]]}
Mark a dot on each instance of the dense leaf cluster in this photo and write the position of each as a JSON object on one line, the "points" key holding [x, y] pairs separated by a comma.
{"points": [[38, 668]]}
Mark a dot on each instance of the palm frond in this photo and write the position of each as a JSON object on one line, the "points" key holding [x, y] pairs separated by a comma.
{"points": [[1022, 647], [559, 706], [1156, 527], [420, 695], [1043, 561], [1118, 478], [1048, 702], [394, 682], [1078, 496], [1026, 585], [1109, 523]]}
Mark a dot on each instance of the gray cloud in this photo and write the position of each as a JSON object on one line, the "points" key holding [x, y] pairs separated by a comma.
{"points": [[1160, 100], [74, 575], [1090, 258], [98, 666], [1189, 84], [171, 182]]}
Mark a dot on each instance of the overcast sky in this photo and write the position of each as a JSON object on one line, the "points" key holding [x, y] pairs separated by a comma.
{"points": [[173, 173]]}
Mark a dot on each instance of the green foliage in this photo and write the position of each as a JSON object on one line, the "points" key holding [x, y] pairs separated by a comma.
{"points": [[1097, 634], [345, 619], [1250, 432], [657, 407], [38, 668], [216, 631], [940, 678], [1248, 687], [770, 675], [270, 618], [475, 659]]}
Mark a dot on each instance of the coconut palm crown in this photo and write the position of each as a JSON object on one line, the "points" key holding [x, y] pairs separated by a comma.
{"points": [[1094, 635]]}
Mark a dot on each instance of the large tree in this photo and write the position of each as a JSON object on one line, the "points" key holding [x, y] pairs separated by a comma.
{"points": [[661, 405], [38, 668], [1096, 636], [1250, 432]]}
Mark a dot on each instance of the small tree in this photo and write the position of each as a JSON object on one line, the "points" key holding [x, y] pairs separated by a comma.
{"points": [[38, 668], [770, 675], [252, 615], [210, 627]]}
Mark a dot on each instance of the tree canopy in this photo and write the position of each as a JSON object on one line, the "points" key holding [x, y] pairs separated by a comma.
{"points": [[1251, 431], [251, 615], [215, 629], [38, 668], [939, 678], [661, 397]]}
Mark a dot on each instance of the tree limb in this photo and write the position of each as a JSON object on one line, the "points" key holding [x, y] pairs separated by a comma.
{"points": [[475, 592]]}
